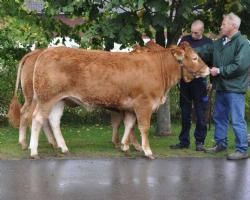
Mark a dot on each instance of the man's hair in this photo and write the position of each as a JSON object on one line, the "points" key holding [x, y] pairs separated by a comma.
{"points": [[235, 19], [198, 22]]}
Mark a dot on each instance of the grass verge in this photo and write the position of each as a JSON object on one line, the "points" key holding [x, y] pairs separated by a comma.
{"points": [[95, 141]]}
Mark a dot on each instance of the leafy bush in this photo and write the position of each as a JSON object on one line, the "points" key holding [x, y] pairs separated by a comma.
{"points": [[10, 55]]}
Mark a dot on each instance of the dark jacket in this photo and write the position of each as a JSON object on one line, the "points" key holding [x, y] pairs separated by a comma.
{"points": [[198, 43], [233, 60]]}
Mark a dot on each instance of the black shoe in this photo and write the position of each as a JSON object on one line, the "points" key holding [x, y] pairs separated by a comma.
{"points": [[216, 149], [179, 146], [237, 155], [200, 147]]}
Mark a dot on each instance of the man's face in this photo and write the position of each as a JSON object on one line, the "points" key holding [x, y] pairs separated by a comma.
{"points": [[226, 27], [196, 31]]}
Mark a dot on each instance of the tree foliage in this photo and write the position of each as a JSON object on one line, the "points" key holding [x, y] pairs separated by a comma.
{"points": [[104, 22], [121, 21]]}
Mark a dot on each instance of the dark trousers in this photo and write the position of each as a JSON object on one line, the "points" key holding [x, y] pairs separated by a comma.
{"points": [[194, 93]]}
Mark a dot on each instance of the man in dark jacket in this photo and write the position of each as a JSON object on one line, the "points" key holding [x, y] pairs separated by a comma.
{"points": [[231, 59], [194, 94]]}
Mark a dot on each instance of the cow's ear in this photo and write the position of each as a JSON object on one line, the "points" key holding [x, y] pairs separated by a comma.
{"points": [[137, 48], [178, 53], [184, 45]]}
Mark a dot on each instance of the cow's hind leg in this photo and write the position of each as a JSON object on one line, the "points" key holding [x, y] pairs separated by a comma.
{"points": [[48, 132], [24, 123], [55, 119], [22, 133], [37, 122], [133, 140], [129, 121], [116, 119]]}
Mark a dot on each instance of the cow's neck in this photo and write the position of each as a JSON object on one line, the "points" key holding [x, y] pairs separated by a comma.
{"points": [[171, 70]]}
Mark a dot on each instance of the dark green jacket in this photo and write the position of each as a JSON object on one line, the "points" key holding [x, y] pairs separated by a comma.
{"points": [[233, 60]]}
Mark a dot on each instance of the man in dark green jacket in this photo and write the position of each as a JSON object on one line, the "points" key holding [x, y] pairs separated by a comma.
{"points": [[231, 60]]}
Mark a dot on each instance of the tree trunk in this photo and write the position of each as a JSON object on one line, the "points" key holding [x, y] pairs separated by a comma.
{"points": [[163, 126]]}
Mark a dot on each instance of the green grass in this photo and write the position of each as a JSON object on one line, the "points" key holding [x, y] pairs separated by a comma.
{"points": [[95, 141]]}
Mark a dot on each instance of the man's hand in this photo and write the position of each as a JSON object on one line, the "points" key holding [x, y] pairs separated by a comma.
{"points": [[209, 87], [214, 71]]}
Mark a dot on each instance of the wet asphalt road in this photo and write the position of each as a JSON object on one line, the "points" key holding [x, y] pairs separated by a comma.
{"points": [[128, 179]]}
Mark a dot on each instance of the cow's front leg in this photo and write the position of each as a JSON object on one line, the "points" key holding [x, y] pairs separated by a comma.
{"points": [[55, 119], [129, 121], [143, 120], [133, 140], [116, 119]]}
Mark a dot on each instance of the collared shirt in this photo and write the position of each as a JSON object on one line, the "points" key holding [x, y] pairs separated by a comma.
{"points": [[226, 40]]}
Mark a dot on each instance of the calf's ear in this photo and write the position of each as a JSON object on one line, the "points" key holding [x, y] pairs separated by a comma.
{"points": [[184, 45], [178, 53]]}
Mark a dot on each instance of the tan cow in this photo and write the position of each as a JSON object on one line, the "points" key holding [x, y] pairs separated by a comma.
{"points": [[116, 118], [136, 83], [20, 116]]}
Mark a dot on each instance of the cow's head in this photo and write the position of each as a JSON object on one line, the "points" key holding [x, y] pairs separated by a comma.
{"points": [[191, 64]]}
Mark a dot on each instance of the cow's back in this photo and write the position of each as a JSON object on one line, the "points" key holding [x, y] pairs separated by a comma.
{"points": [[97, 77], [28, 63]]}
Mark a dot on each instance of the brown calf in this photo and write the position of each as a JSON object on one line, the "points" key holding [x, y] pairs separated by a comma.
{"points": [[136, 83]]}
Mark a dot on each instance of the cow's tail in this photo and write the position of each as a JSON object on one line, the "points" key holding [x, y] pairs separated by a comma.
{"points": [[14, 112]]}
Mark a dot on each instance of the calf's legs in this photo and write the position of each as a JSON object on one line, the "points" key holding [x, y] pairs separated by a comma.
{"points": [[40, 120], [143, 119], [129, 121], [26, 112], [55, 120], [116, 119], [37, 122]]}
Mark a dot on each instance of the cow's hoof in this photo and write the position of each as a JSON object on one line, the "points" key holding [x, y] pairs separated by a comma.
{"points": [[24, 145], [138, 147], [66, 152], [62, 155], [54, 145], [124, 147], [35, 157], [151, 157], [127, 153], [116, 145]]}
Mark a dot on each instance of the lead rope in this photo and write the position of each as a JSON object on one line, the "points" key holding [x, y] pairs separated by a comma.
{"points": [[163, 73]]}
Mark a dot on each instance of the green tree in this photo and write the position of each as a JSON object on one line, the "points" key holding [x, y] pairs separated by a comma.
{"points": [[106, 22]]}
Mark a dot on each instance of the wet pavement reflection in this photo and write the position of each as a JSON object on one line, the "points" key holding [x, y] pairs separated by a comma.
{"points": [[118, 179]]}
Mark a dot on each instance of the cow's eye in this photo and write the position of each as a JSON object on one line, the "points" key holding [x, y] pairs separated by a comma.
{"points": [[195, 58]]}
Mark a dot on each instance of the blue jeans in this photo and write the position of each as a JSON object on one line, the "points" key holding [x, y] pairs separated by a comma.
{"points": [[230, 104]]}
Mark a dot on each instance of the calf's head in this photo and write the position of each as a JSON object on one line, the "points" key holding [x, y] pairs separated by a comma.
{"points": [[192, 66]]}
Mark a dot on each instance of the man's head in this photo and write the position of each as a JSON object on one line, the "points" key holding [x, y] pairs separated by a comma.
{"points": [[197, 29], [230, 25]]}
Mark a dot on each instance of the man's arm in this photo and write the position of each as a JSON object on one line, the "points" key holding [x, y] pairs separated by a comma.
{"points": [[239, 64], [206, 52]]}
